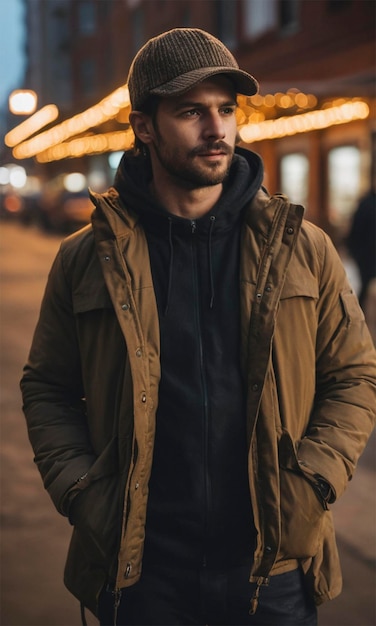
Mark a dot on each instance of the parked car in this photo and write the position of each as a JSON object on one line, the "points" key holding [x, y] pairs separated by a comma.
{"points": [[66, 211]]}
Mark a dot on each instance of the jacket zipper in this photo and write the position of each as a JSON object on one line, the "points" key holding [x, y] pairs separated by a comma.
{"points": [[117, 599], [205, 402]]}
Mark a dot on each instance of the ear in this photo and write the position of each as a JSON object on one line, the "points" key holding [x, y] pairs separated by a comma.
{"points": [[142, 126]]}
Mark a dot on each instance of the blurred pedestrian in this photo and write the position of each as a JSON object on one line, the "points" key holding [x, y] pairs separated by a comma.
{"points": [[201, 382], [361, 242]]}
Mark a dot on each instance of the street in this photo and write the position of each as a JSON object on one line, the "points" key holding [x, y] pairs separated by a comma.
{"points": [[34, 537]]}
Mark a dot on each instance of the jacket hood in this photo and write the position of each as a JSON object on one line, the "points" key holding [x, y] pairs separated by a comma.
{"points": [[134, 175]]}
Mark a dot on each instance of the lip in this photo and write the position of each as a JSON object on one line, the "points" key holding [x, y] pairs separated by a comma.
{"points": [[212, 154]]}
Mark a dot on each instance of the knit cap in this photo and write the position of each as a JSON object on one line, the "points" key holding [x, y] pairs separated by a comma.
{"points": [[173, 62]]}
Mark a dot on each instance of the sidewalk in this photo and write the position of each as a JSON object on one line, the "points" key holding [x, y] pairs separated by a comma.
{"points": [[355, 523]]}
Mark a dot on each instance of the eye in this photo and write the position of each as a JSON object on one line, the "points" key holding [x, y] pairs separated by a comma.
{"points": [[228, 110], [191, 113]]}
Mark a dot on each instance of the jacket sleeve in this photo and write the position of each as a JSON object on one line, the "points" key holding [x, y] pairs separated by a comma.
{"points": [[345, 404], [53, 396]]}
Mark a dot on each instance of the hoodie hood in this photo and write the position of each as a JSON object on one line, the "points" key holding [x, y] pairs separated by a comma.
{"points": [[134, 176], [132, 183]]}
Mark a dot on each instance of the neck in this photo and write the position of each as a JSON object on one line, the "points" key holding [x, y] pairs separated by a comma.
{"points": [[185, 202]]}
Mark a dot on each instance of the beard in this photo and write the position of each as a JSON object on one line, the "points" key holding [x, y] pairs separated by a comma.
{"points": [[191, 170]]}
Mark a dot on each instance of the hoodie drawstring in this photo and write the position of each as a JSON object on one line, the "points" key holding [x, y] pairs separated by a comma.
{"points": [[83, 616]]}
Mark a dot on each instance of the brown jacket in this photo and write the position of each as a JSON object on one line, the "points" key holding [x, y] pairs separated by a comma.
{"points": [[90, 391]]}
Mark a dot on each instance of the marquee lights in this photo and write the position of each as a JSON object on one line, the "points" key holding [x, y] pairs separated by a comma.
{"points": [[106, 109], [305, 122], [257, 116], [93, 144], [41, 118]]}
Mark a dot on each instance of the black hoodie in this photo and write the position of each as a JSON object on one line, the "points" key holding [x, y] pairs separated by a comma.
{"points": [[199, 510]]}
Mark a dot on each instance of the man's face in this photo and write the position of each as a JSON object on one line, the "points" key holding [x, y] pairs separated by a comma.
{"points": [[194, 135]]}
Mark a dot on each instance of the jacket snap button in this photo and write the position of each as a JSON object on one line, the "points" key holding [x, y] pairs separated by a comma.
{"points": [[268, 549], [290, 230], [268, 288], [255, 387], [107, 258], [138, 352], [125, 307], [137, 485], [143, 397]]}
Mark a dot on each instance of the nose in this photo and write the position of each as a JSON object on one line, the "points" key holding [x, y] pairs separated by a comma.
{"points": [[214, 127]]}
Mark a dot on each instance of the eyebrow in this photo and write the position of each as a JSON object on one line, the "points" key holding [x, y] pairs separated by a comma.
{"points": [[197, 105]]}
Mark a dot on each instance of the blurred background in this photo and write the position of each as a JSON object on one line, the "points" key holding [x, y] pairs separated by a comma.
{"points": [[64, 108]]}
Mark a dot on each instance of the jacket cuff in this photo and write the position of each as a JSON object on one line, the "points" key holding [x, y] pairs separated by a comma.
{"points": [[324, 489]]}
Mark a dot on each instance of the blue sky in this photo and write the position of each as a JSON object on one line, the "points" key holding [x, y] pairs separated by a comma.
{"points": [[11, 47]]}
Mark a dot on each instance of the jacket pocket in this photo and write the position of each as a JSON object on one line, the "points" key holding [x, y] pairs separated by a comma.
{"points": [[302, 513], [95, 510], [300, 284], [353, 312], [97, 297]]}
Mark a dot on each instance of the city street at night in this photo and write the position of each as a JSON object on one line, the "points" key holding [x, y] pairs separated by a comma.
{"points": [[34, 537], [204, 132]]}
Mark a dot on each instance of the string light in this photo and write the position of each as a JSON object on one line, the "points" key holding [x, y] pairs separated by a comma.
{"points": [[106, 109], [257, 118], [93, 144], [305, 122], [41, 118]]}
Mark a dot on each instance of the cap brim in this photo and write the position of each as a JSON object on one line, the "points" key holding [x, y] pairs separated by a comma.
{"points": [[244, 83]]}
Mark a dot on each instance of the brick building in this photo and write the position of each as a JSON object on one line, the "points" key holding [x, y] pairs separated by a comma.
{"points": [[308, 55]]}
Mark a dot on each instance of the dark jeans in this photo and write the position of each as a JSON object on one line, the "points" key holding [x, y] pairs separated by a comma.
{"points": [[172, 597]]}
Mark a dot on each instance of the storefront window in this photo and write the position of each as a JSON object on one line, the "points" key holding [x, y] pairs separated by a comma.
{"points": [[88, 76], [344, 182], [226, 14], [294, 177], [260, 17], [86, 18], [138, 35], [289, 16]]}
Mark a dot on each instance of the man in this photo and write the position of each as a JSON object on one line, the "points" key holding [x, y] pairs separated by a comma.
{"points": [[201, 381], [361, 242]]}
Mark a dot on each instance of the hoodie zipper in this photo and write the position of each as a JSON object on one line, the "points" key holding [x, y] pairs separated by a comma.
{"points": [[205, 403]]}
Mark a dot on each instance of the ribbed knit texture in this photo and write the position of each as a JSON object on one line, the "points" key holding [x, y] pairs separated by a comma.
{"points": [[176, 60]]}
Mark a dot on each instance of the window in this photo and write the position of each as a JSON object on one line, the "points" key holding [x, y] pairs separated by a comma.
{"points": [[105, 9], [259, 17], [294, 177], [137, 29], [186, 19], [226, 14], [289, 16], [344, 182], [86, 18], [338, 5], [88, 76]]}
